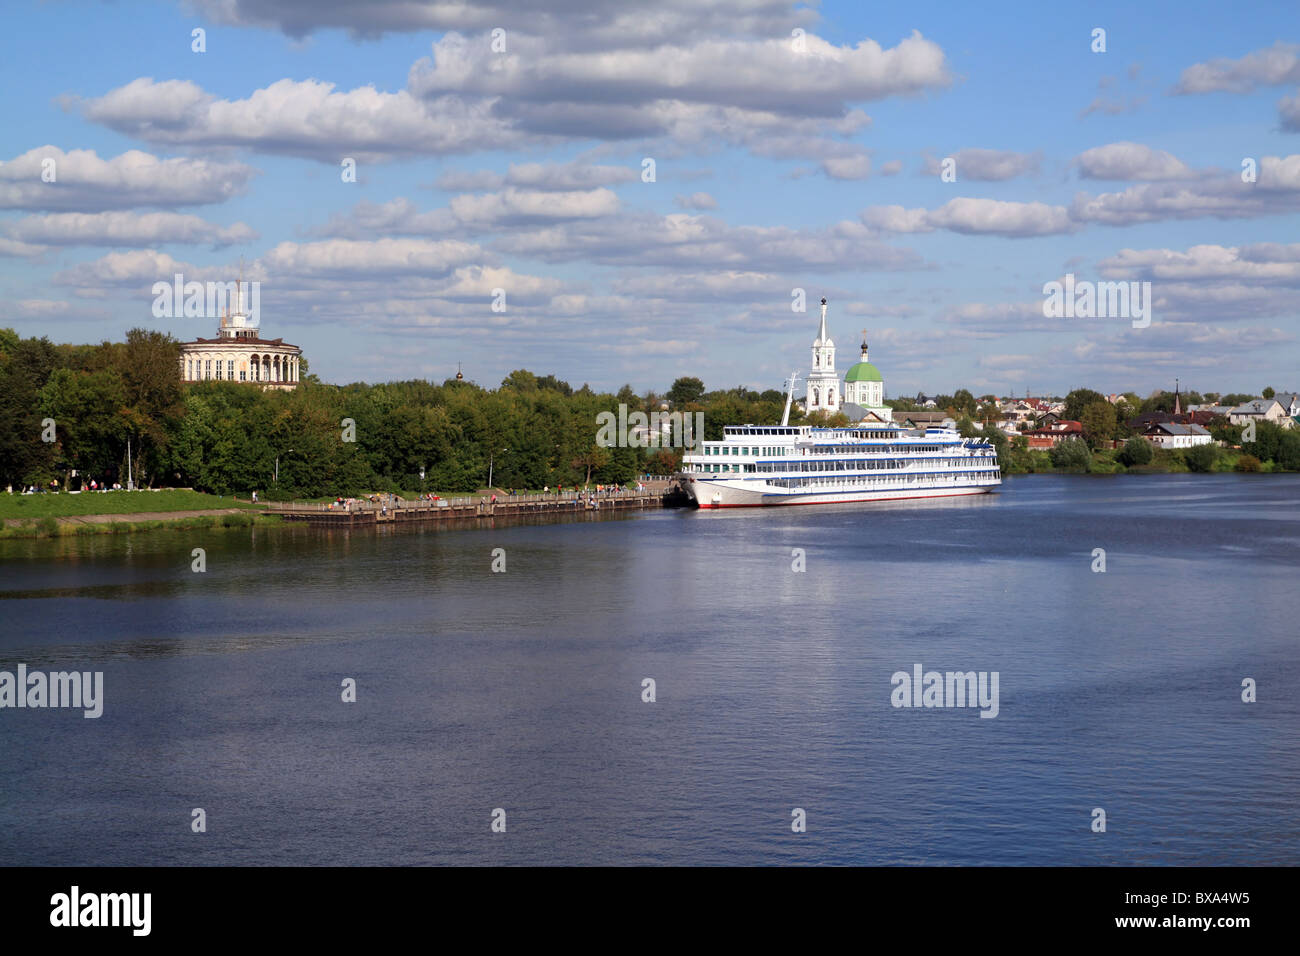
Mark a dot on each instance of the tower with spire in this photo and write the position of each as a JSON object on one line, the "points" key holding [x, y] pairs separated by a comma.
{"points": [[823, 393]]}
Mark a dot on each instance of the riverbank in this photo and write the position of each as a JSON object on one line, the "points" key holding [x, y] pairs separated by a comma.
{"points": [[80, 525]]}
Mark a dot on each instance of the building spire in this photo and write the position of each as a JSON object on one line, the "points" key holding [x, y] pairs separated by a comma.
{"points": [[821, 334], [1178, 408], [864, 345]]}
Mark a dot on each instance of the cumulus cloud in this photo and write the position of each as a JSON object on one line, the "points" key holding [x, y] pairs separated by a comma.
{"points": [[1132, 161], [1271, 66], [525, 206], [303, 118], [1276, 192], [857, 166], [679, 239], [85, 182], [556, 176], [587, 23], [974, 217], [1288, 111], [345, 258], [988, 165], [1265, 263], [753, 74], [124, 229], [20, 250], [136, 267], [696, 201], [698, 88], [472, 213]]}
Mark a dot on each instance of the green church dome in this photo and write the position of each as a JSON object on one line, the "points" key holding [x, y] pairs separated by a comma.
{"points": [[863, 372]]}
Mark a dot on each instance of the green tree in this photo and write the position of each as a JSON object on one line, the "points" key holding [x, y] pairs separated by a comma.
{"points": [[685, 391], [1268, 392], [1078, 400], [1098, 421]]}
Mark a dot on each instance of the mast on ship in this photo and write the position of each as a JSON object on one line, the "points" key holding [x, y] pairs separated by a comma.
{"points": [[789, 395]]}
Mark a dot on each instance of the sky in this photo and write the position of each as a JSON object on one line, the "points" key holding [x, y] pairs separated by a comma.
{"points": [[504, 145]]}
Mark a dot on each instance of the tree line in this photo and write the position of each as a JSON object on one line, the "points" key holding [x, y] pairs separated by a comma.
{"points": [[322, 440], [318, 439]]}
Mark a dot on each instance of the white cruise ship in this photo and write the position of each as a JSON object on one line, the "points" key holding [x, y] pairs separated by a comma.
{"points": [[805, 465], [874, 460]]}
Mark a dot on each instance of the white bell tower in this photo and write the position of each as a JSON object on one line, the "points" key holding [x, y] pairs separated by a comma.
{"points": [[824, 393]]}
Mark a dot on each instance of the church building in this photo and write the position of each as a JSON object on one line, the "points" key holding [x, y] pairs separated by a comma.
{"points": [[240, 354], [862, 397]]}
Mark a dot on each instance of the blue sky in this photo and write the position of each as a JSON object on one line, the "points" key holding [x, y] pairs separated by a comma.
{"points": [[776, 168]]}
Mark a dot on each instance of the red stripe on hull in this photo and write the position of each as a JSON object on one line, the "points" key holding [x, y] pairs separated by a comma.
{"points": [[846, 501]]}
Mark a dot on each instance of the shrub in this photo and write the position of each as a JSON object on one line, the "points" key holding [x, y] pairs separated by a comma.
{"points": [[1202, 457], [1247, 463], [1136, 451], [1072, 455]]}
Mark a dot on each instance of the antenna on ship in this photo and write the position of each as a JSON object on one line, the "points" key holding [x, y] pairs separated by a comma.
{"points": [[789, 396]]}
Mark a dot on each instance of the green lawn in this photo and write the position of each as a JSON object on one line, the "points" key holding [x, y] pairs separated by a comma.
{"points": [[112, 502]]}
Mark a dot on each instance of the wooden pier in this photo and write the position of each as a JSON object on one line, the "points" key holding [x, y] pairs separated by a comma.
{"points": [[386, 510]]}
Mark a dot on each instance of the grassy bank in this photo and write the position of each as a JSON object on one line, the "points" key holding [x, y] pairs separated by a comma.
{"points": [[1163, 462], [111, 503], [50, 527]]}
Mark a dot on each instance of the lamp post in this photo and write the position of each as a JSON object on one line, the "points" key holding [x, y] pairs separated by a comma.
{"points": [[491, 462], [277, 465]]}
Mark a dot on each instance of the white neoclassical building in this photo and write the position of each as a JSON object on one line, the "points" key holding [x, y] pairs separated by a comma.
{"points": [[823, 383], [240, 354]]}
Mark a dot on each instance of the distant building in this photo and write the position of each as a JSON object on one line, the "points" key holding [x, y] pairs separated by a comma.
{"points": [[862, 397], [1174, 435], [1290, 402], [240, 354], [1055, 433], [1261, 410], [923, 420]]}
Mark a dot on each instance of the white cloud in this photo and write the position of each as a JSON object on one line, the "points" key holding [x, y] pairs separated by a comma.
{"points": [[586, 24], [974, 217], [988, 165], [696, 201], [1132, 161], [1271, 66], [344, 258], [857, 166], [766, 75], [303, 118], [1264, 263], [521, 207], [85, 182], [124, 229], [1227, 197], [1288, 112]]}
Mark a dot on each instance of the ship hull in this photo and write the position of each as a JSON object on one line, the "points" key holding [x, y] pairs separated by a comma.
{"points": [[708, 494]]}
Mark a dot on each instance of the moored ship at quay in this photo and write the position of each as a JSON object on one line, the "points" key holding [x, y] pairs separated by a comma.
{"points": [[873, 460]]}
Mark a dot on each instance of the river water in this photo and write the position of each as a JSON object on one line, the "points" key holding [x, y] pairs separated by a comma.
{"points": [[523, 690]]}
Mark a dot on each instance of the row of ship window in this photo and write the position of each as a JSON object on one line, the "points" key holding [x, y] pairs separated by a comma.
{"points": [[883, 464], [973, 478], [819, 450]]}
